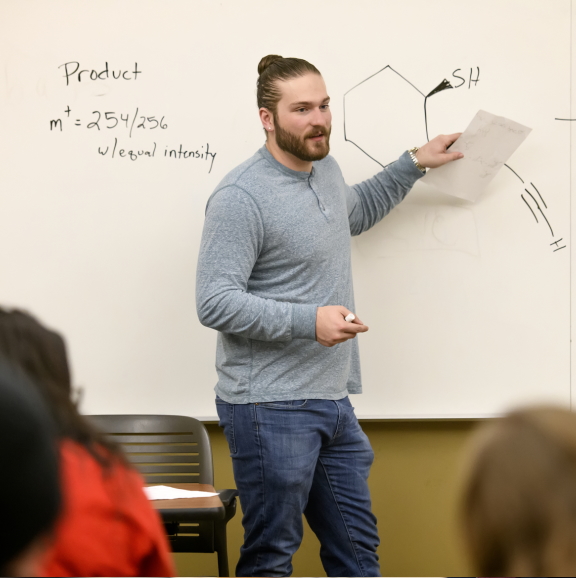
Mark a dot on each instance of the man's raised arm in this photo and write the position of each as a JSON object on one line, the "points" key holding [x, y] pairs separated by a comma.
{"points": [[371, 200]]}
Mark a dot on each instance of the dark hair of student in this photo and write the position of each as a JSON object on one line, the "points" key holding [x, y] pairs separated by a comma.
{"points": [[30, 497], [41, 354], [274, 68], [519, 500]]}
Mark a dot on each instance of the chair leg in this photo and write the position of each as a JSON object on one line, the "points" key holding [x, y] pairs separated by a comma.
{"points": [[221, 548]]}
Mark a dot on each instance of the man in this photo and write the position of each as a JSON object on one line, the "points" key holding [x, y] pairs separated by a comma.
{"points": [[274, 278]]}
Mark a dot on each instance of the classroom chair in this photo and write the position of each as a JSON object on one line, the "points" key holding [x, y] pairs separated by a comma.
{"points": [[174, 449]]}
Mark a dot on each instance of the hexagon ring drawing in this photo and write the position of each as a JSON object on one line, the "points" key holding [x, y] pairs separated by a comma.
{"points": [[386, 114]]}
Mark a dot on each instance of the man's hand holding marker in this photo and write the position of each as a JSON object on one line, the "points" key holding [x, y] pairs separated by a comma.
{"points": [[336, 324]]}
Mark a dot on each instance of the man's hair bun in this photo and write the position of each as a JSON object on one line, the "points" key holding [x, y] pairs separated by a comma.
{"points": [[267, 61], [268, 92]]}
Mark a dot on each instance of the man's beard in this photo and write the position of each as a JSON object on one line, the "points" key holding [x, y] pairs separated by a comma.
{"points": [[302, 147]]}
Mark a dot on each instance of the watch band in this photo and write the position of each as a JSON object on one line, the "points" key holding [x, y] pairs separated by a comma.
{"points": [[412, 153]]}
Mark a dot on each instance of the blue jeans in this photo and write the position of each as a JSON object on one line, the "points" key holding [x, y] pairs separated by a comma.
{"points": [[302, 457]]}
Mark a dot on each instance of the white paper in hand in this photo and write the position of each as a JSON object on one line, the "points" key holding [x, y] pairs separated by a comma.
{"points": [[487, 143], [168, 493]]}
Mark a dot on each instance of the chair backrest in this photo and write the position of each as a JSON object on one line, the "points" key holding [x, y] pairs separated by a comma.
{"points": [[165, 449]]}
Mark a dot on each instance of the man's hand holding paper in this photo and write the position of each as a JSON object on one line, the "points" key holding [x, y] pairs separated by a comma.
{"points": [[487, 143]]}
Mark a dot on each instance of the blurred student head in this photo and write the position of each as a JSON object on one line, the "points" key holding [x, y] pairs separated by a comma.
{"points": [[519, 498], [41, 353], [29, 484]]}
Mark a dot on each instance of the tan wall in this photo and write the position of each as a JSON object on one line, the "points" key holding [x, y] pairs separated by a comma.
{"points": [[413, 484]]}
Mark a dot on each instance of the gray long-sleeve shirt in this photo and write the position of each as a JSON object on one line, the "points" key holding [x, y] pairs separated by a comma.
{"points": [[275, 247]]}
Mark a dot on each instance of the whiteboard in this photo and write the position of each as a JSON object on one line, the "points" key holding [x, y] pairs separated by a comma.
{"points": [[119, 118]]}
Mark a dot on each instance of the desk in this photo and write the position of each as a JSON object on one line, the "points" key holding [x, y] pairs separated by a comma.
{"points": [[208, 517], [190, 509]]}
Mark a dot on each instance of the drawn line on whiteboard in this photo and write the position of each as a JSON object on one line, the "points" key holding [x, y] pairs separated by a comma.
{"points": [[527, 204], [513, 171], [541, 212], [373, 75], [444, 85], [551, 231], [133, 121], [537, 205], [547, 222], [556, 243], [370, 156], [543, 201]]}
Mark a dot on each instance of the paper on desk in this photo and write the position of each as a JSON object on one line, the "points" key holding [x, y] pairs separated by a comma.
{"points": [[487, 144], [168, 493]]}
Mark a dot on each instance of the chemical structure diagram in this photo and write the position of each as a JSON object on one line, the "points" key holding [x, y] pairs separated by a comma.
{"points": [[531, 202], [402, 131]]}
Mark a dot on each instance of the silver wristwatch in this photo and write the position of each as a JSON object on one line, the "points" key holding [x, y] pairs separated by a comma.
{"points": [[412, 153]]}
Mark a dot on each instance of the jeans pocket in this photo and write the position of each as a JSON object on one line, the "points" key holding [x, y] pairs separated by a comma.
{"points": [[226, 415], [290, 404]]}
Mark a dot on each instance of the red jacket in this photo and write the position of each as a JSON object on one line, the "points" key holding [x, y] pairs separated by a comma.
{"points": [[107, 526]]}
